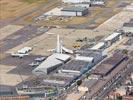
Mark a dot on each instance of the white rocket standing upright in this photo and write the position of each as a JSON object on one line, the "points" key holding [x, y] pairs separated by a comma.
{"points": [[60, 48], [59, 45]]}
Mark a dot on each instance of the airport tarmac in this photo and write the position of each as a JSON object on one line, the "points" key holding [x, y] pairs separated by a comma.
{"points": [[18, 37], [19, 68]]}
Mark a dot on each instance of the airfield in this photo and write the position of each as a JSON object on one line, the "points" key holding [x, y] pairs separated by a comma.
{"points": [[18, 30]]}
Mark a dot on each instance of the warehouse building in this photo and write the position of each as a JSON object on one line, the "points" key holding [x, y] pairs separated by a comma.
{"points": [[97, 2], [98, 46], [92, 2], [73, 67], [83, 62], [109, 64], [58, 79], [112, 38], [74, 11], [128, 28], [51, 63], [75, 1]]}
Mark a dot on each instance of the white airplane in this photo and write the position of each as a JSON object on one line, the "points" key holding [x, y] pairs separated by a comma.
{"points": [[18, 55], [24, 50], [60, 48], [67, 50]]}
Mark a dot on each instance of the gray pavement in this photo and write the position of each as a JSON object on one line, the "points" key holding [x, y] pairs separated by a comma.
{"points": [[19, 37]]}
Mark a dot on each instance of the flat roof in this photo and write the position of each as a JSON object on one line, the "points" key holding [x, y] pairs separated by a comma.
{"points": [[53, 60], [131, 20], [89, 53], [57, 79], [112, 36], [128, 24], [109, 64], [74, 65], [72, 8], [89, 83], [98, 46]]}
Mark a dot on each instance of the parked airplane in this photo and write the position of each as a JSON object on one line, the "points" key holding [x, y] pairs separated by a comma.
{"points": [[24, 50], [18, 55]]}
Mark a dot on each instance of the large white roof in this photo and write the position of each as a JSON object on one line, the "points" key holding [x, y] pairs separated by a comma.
{"points": [[112, 36], [98, 46], [82, 58], [53, 60]]}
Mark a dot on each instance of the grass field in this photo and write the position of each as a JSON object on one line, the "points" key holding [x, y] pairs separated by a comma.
{"points": [[14, 8]]}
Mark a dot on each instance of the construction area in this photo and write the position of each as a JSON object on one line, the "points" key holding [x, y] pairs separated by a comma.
{"points": [[34, 54]]}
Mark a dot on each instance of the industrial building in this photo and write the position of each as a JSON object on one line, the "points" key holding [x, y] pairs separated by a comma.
{"points": [[75, 1], [83, 61], [58, 79], [73, 67], [74, 11], [98, 46], [109, 64], [112, 38], [51, 63], [97, 2], [128, 27], [92, 2]]}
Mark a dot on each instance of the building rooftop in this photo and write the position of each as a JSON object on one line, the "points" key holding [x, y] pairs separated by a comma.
{"points": [[101, 82], [74, 65], [56, 80], [72, 8], [110, 37], [89, 53], [56, 59], [131, 20], [128, 24], [108, 65], [98, 46]]}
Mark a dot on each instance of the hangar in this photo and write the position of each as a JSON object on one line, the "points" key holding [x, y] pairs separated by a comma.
{"points": [[51, 63], [74, 11]]}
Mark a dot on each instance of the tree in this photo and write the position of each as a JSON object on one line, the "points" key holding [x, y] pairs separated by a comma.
{"points": [[79, 82], [119, 97], [125, 51]]}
